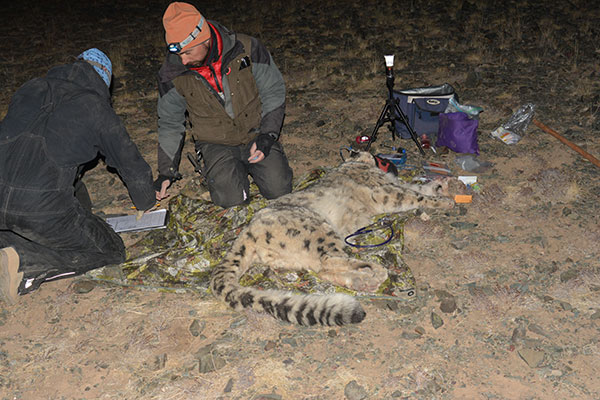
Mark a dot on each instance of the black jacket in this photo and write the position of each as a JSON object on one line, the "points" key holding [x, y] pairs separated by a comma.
{"points": [[54, 125]]}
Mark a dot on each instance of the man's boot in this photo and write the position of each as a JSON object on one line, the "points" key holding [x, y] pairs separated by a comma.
{"points": [[10, 277]]}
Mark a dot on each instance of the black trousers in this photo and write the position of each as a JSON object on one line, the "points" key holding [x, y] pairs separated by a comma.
{"points": [[227, 168], [64, 243]]}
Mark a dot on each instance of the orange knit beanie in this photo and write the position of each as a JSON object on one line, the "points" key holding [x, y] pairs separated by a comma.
{"points": [[180, 20]]}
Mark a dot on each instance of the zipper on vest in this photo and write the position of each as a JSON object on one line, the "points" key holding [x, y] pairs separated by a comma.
{"points": [[219, 95], [214, 74]]}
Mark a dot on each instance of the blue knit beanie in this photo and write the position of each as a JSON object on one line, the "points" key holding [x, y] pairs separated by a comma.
{"points": [[100, 62]]}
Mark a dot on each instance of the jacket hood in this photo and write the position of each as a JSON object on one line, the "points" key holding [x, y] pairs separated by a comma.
{"points": [[82, 74]]}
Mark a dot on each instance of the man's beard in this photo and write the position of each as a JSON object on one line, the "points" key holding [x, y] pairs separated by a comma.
{"points": [[195, 64]]}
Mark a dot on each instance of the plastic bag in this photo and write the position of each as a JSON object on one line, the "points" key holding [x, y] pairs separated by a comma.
{"points": [[513, 130], [470, 110], [469, 162]]}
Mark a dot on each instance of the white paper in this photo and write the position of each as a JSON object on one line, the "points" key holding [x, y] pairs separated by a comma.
{"points": [[128, 223], [467, 180]]}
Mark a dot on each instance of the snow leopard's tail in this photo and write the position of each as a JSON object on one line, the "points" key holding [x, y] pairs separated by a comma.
{"points": [[310, 309]]}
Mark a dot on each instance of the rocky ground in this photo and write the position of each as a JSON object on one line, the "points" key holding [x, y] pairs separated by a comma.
{"points": [[508, 286]]}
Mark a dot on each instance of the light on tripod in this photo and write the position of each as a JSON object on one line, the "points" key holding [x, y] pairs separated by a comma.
{"points": [[391, 111], [389, 61]]}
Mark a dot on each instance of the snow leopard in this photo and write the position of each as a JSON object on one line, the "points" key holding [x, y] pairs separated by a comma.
{"points": [[304, 230]]}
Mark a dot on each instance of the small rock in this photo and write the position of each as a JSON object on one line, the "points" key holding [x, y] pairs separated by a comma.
{"points": [[228, 386], [196, 327], [568, 275], [331, 333], [547, 299], [519, 333], [410, 335], [520, 287], [353, 391], [238, 322], [459, 245], [442, 294], [436, 320], [290, 341], [420, 330], [209, 360], [83, 286], [270, 345], [595, 315], [533, 358], [566, 306], [502, 239], [547, 269], [535, 328], [448, 305]]}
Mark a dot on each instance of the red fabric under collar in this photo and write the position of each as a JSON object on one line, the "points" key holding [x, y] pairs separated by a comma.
{"points": [[215, 80]]}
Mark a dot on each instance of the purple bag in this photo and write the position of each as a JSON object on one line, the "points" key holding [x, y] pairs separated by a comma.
{"points": [[458, 133]]}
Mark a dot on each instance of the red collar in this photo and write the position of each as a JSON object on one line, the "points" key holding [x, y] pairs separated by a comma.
{"points": [[212, 71]]}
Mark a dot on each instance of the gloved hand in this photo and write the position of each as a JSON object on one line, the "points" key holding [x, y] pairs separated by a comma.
{"points": [[264, 142], [158, 182], [162, 183]]}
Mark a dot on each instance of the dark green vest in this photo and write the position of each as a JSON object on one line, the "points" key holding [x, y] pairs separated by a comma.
{"points": [[208, 119]]}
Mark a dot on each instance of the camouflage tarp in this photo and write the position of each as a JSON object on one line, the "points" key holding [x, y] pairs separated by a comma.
{"points": [[199, 234]]}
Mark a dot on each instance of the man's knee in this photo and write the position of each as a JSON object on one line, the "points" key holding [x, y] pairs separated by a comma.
{"points": [[277, 183], [229, 199], [228, 192]]}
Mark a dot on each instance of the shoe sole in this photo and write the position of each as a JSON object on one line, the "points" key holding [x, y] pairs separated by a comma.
{"points": [[10, 277]]}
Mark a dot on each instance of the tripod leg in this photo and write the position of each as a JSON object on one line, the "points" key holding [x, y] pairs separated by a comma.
{"points": [[412, 132], [380, 121]]}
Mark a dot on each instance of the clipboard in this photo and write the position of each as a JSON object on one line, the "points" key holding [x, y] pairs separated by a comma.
{"points": [[156, 219]]}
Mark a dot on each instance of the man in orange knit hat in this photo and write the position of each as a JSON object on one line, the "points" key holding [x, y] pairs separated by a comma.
{"points": [[234, 98]]}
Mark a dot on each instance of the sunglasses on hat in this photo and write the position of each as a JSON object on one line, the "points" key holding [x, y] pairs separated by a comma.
{"points": [[177, 47]]}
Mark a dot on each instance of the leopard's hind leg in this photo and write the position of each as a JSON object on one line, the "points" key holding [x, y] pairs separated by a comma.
{"points": [[337, 267]]}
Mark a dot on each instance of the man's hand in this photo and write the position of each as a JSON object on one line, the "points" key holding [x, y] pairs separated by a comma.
{"points": [[163, 190], [255, 155], [261, 147]]}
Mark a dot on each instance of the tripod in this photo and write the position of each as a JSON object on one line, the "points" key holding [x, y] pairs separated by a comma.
{"points": [[392, 112]]}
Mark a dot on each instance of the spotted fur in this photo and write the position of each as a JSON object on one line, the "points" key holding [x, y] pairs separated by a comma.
{"points": [[304, 230]]}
